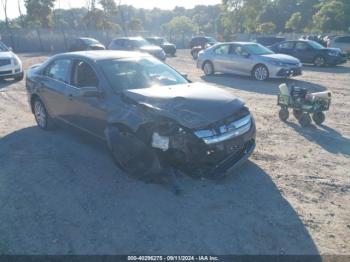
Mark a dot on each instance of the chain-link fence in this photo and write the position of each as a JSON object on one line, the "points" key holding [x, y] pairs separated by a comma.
{"points": [[46, 40]]}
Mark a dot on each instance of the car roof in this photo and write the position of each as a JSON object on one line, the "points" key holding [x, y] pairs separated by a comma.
{"points": [[99, 55], [239, 43], [154, 37], [129, 38], [85, 38]]}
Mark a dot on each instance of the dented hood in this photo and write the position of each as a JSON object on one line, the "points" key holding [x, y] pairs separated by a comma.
{"points": [[192, 105]]}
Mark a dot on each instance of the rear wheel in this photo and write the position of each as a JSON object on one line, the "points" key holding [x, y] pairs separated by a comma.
{"points": [[319, 118], [260, 73], [305, 120], [319, 61], [283, 114], [208, 68], [42, 118]]}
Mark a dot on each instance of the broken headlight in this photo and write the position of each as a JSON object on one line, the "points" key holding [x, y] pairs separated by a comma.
{"points": [[160, 142], [225, 132]]}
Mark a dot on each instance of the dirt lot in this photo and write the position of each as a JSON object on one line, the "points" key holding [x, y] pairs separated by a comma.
{"points": [[60, 193]]}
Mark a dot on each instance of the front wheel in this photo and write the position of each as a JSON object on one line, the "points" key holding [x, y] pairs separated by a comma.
{"points": [[42, 118], [261, 73], [320, 61], [305, 120], [319, 118], [208, 68], [133, 156]]}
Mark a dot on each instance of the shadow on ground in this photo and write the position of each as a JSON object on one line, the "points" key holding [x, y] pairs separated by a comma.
{"points": [[269, 87], [328, 138], [60, 194]]}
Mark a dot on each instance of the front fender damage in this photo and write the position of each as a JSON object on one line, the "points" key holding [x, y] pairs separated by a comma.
{"points": [[132, 154]]}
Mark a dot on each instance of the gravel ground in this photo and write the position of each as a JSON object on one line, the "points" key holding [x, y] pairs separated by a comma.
{"points": [[60, 192]]}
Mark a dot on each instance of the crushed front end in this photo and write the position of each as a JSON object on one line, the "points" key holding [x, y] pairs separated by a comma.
{"points": [[210, 151]]}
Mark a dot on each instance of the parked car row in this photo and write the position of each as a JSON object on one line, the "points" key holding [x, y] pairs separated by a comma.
{"points": [[280, 60], [156, 46]]}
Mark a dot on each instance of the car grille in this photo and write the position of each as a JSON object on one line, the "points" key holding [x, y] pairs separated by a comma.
{"points": [[4, 62], [5, 72], [291, 64], [225, 132]]}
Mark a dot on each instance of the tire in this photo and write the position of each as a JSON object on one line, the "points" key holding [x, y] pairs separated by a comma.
{"points": [[297, 113], [305, 120], [20, 77], [140, 162], [283, 114], [319, 118], [208, 68], [260, 73], [195, 55], [42, 118], [319, 61]]}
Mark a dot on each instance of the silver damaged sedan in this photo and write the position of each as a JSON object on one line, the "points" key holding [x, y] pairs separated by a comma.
{"points": [[246, 58]]}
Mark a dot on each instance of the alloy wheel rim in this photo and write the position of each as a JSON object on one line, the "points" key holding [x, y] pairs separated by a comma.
{"points": [[261, 73], [207, 69], [40, 114], [319, 61]]}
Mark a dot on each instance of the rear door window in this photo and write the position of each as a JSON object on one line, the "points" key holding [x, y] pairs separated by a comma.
{"points": [[59, 70], [301, 46], [222, 50], [286, 45]]}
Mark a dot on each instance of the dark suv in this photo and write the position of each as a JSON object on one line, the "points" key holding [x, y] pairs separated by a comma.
{"points": [[84, 43], [202, 41], [137, 44], [199, 43], [168, 48], [150, 116]]}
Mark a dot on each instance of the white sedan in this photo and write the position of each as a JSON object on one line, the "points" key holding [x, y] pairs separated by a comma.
{"points": [[10, 64]]}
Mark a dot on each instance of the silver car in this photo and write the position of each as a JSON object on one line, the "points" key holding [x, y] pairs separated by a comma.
{"points": [[246, 58]]}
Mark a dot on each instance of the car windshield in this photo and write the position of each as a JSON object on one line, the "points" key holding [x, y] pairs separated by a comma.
{"points": [[316, 45], [90, 41], [140, 42], [257, 49], [125, 74], [3, 47]]}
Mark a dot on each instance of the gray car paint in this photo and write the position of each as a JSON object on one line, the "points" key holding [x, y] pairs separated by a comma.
{"points": [[242, 65]]}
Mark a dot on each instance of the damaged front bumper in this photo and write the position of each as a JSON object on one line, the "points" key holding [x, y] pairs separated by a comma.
{"points": [[212, 158]]}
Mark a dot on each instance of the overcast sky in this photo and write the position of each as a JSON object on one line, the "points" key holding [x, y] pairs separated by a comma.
{"points": [[12, 8]]}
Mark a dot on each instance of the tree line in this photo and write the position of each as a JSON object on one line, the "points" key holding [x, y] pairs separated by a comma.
{"points": [[227, 18]]}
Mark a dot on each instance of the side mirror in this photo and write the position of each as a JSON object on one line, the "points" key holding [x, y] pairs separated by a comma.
{"points": [[246, 55], [10, 48], [90, 91]]}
